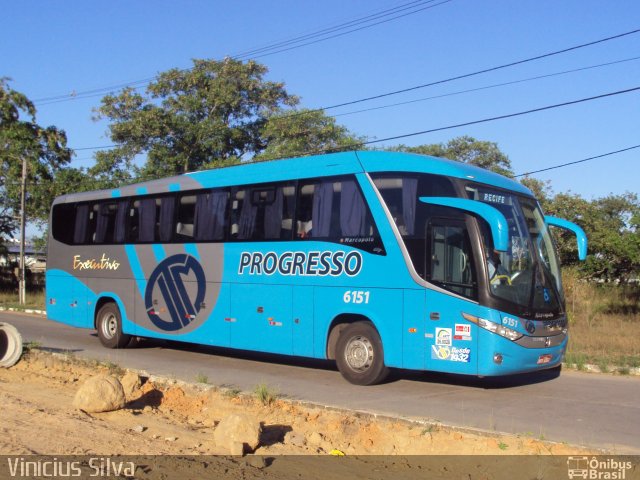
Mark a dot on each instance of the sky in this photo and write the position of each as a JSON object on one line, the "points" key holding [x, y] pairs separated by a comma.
{"points": [[53, 49]]}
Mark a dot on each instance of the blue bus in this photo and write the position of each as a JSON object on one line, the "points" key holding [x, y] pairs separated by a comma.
{"points": [[376, 260]]}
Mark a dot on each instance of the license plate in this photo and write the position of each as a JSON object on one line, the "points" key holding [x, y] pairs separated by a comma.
{"points": [[542, 359]]}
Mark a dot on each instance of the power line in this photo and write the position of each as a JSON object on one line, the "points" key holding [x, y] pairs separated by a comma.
{"points": [[487, 87], [269, 48], [68, 97], [479, 72], [326, 31], [349, 31], [502, 117], [438, 129], [577, 161]]}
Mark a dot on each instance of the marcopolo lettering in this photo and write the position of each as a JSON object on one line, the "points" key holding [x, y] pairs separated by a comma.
{"points": [[333, 263]]}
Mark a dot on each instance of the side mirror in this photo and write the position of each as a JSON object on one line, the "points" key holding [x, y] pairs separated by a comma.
{"points": [[493, 216], [581, 237]]}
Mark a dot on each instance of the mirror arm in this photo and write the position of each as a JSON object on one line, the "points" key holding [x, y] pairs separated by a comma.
{"points": [[493, 216], [581, 237]]}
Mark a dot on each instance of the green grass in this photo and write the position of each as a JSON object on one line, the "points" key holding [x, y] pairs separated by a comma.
{"points": [[35, 300], [114, 368], [265, 395], [503, 446], [603, 366], [202, 378], [31, 345], [232, 392]]}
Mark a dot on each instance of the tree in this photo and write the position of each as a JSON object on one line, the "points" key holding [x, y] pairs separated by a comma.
{"points": [[288, 134], [467, 149], [541, 190], [209, 115], [44, 148], [611, 224]]}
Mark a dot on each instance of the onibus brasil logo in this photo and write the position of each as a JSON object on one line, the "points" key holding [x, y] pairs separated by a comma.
{"points": [[597, 468], [175, 292]]}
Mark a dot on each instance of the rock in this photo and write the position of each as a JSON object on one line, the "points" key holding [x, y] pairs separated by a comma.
{"points": [[237, 448], [315, 439], [238, 428], [100, 393], [171, 439], [130, 383], [256, 461], [295, 439], [139, 428]]}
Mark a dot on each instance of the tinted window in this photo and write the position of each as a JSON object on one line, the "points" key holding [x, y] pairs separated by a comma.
{"points": [[334, 209], [262, 212], [450, 257], [63, 222]]}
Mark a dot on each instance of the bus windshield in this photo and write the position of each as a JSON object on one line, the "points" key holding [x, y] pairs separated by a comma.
{"points": [[528, 273]]}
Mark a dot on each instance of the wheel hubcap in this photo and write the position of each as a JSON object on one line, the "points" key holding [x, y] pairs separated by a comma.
{"points": [[110, 326], [359, 353]]}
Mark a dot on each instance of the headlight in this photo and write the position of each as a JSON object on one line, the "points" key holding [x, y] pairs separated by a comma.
{"points": [[493, 327]]}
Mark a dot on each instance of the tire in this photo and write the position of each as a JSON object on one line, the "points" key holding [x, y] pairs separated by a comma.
{"points": [[359, 354], [109, 326], [10, 345]]}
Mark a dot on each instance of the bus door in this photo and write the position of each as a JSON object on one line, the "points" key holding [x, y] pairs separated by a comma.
{"points": [[261, 317], [451, 340]]}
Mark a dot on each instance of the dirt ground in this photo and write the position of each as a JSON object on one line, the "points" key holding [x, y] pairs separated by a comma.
{"points": [[166, 417]]}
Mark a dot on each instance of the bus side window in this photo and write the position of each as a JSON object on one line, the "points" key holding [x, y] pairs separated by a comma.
{"points": [[305, 209], [110, 222], [275, 211], [288, 211], [262, 212], [210, 217], [186, 218], [335, 210], [81, 224], [450, 263]]}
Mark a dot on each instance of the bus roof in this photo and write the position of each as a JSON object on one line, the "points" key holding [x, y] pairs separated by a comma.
{"points": [[307, 167]]}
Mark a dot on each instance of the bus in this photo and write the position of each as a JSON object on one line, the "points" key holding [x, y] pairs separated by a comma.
{"points": [[376, 260]]}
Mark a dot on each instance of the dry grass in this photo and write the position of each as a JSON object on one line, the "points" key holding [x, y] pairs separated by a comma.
{"points": [[604, 322]]}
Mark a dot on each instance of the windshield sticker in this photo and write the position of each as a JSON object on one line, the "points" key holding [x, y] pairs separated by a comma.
{"points": [[452, 354], [333, 263], [443, 336], [462, 332]]}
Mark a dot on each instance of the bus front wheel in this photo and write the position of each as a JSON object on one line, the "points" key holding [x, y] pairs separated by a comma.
{"points": [[359, 354], [109, 326]]}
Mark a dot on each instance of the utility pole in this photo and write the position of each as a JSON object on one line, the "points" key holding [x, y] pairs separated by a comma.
{"points": [[22, 294]]}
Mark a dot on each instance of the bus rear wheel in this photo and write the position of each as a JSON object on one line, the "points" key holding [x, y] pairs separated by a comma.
{"points": [[109, 326], [359, 354]]}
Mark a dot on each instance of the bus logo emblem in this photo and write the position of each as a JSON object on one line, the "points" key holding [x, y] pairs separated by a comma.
{"points": [[174, 281]]}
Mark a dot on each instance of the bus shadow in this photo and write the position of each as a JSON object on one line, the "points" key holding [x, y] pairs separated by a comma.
{"points": [[486, 383], [271, 358]]}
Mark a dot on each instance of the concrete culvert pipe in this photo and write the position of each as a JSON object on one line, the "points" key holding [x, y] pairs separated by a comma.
{"points": [[10, 345]]}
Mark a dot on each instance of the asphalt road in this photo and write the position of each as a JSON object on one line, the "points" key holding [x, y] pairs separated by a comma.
{"points": [[588, 409]]}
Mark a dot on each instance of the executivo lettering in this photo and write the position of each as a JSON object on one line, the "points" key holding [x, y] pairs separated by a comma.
{"points": [[105, 263]]}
